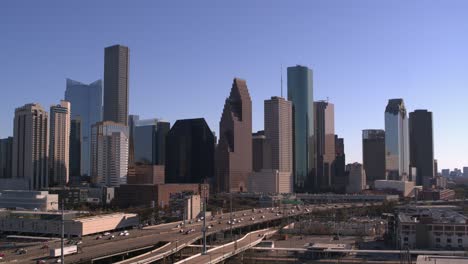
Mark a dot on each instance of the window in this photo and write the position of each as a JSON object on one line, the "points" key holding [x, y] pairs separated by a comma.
{"points": [[405, 239], [449, 240], [460, 241], [438, 240]]}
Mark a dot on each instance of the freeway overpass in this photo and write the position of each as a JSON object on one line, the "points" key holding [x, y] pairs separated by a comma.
{"points": [[150, 239]]}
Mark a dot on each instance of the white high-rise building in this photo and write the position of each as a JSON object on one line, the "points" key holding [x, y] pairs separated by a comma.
{"points": [[59, 148], [30, 146], [109, 153], [357, 178]]}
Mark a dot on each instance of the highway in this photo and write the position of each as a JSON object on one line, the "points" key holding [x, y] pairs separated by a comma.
{"points": [[92, 249], [220, 253]]}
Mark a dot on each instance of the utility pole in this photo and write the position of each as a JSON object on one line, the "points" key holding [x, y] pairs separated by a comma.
{"points": [[204, 220], [62, 232]]}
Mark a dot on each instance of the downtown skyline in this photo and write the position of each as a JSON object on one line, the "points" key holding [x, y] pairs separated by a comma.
{"points": [[154, 87]]}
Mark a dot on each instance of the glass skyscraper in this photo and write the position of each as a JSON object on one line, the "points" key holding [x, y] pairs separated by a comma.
{"points": [[396, 141], [300, 93], [86, 104], [149, 141], [421, 146]]}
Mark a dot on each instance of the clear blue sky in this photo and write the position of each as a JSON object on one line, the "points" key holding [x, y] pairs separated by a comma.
{"points": [[185, 54]]}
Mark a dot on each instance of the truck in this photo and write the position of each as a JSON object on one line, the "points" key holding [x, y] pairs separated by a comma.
{"points": [[56, 252]]}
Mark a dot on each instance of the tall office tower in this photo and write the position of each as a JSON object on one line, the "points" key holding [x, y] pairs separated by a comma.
{"points": [[340, 179], [234, 151], [436, 168], [324, 123], [75, 150], [373, 154], [59, 148], [30, 146], [6, 153], [278, 118], [421, 146], [259, 149], [109, 153], [396, 141], [116, 63], [190, 152], [300, 93], [86, 100]]}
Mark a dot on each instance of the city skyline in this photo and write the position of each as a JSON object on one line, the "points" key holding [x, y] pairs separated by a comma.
{"points": [[411, 82]]}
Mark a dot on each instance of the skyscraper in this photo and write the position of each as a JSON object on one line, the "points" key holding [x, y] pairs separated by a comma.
{"points": [[300, 93], [324, 122], [357, 178], [234, 151], [340, 179], [190, 152], [396, 141], [109, 153], [421, 146], [75, 150], [116, 63], [30, 146], [6, 154], [86, 100], [149, 141], [59, 148], [373, 154]]}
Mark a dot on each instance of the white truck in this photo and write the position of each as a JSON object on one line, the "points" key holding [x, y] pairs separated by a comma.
{"points": [[56, 252]]}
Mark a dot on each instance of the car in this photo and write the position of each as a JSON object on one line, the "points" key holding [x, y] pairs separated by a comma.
{"points": [[21, 251], [244, 214], [98, 237], [178, 226], [41, 261], [121, 234], [181, 231], [209, 227], [198, 220], [58, 260], [219, 222], [107, 233], [127, 234], [252, 218], [79, 242], [111, 237], [263, 216]]}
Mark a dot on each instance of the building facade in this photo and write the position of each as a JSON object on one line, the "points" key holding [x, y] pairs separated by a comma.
{"points": [[116, 67], [357, 178], [190, 152], [300, 93], [149, 141], [234, 151], [109, 154], [31, 146], [421, 146], [432, 229], [6, 156], [324, 123], [373, 155], [396, 141], [59, 148], [28, 200], [86, 100], [260, 150]]}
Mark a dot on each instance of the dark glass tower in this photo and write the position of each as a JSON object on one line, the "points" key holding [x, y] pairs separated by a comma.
{"points": [[421, 146], [149, 141], [116, 63], [234, 151], [373, 154], [6, 153], [189, 152], [75, 150], [340, 179], [300, 93]]}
